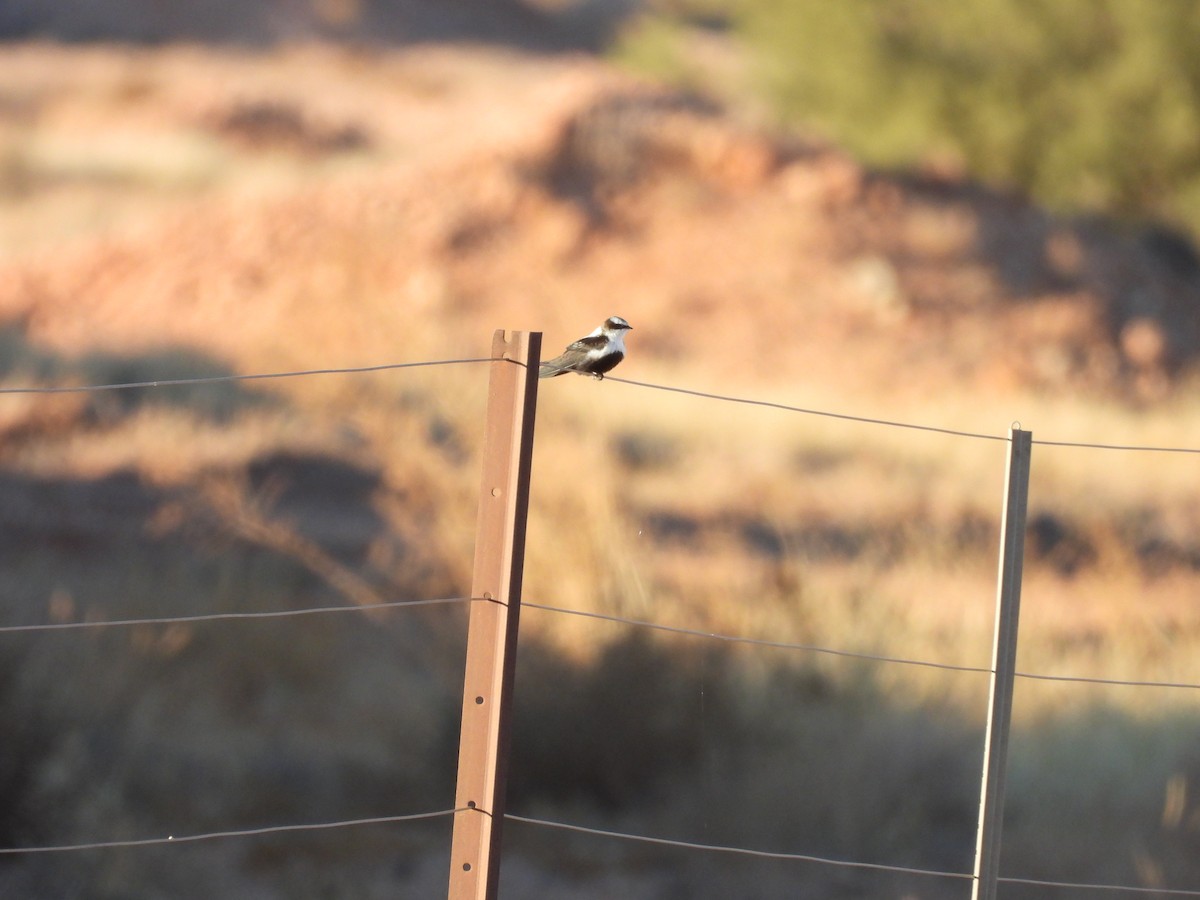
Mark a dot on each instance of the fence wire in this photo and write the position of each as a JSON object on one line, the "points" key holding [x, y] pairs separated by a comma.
{"points": [[768, 404], [739, 851], [217, 379], [840, 863], [757, 642], [225, 616], [606, 617], [706, 395], [233, 833], [243, 833], [1112, 888], [851, 654], [914, 426]]}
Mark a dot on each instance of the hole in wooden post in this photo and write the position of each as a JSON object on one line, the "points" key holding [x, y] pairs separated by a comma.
{"points": [[470, 804], [466, 867], [495, 492], [478, 701]]}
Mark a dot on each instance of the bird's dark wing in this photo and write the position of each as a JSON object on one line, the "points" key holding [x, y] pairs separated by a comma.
{"points": [[568, 362], [575, 358], [591, 342]]}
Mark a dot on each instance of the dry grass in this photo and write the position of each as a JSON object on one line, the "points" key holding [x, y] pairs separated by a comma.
{"points": [[862, 537]]}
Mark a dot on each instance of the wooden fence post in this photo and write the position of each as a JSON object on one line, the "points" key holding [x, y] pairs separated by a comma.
{"points": [[1004, 658], [494, 616]]}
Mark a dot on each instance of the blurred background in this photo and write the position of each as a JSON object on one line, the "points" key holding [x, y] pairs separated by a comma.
{"points": [[957, 217]]}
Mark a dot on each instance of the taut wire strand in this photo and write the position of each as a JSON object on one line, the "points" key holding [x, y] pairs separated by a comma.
{"points": [[1130, 889], [758, 642], [215, 379], [869, 420], [764, 854], [809, 412], [233, 833], [822, 860], [851, 654], [218, 617]]}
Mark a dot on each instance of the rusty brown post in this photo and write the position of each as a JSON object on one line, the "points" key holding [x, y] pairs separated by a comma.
{"points": [[494, 615]]}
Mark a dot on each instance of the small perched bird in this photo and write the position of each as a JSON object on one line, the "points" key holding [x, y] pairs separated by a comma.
{"points": [[592, 355]]}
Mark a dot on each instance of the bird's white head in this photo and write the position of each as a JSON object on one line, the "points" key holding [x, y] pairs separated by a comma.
{"points": [[613, 329], [615, 324]]}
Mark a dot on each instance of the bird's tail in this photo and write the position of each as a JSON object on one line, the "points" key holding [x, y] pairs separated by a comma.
{"points": [[550, 370]]}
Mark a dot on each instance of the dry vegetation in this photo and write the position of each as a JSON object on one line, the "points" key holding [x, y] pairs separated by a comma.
{"points": [[182, 212]]}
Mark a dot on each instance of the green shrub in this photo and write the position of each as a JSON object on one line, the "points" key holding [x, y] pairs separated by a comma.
{"points": [[1087, 104]]}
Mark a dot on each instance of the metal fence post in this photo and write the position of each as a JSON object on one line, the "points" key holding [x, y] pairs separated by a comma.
{"points": [[495, 610], [1004, 658]]}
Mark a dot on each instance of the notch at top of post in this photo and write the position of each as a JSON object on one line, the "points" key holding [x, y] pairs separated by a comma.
{"points": [[506, 343]]}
